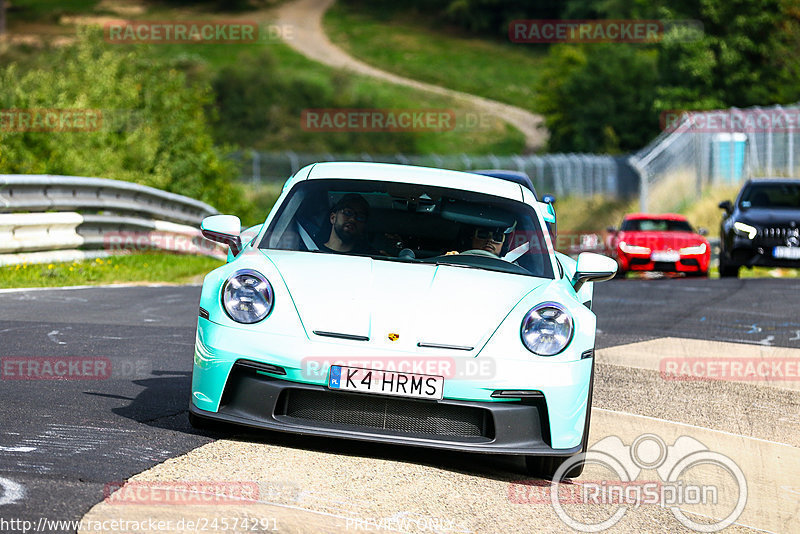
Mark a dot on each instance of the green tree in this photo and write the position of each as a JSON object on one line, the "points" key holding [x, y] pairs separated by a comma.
{"points": [[599, 98], [154, 129], [746, 54]]}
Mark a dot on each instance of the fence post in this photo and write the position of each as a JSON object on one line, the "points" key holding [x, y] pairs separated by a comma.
{"points": [[769, 152], [256, 167], [294, 162], [644, 186], [790, 149]]}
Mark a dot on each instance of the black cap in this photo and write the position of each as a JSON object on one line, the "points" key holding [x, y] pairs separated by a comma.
{"points": [[352, 200]]}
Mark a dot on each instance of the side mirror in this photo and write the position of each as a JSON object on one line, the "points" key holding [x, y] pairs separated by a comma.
{"points": [[550, 210], [548, 213], [702, 231], [727, 206], [223, 229], [593, 267]]}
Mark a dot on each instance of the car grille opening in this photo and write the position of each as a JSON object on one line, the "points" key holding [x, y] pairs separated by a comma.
{"points": [[776, 235], [386, 414]]}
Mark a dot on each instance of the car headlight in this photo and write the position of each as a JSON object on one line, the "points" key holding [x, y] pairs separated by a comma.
{"points": [[697, 249], [633, 249], [745, 229], [546, 329], [247, 296]]}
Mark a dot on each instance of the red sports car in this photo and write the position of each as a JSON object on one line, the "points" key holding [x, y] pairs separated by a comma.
{"points": [[666, 243]]}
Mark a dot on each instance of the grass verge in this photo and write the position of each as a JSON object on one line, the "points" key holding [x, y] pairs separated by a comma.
{"points": [[150, 267], [395, 42]]}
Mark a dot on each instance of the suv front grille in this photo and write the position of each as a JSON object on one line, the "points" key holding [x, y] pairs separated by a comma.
{"points": [[777, 235], [387, 414]]}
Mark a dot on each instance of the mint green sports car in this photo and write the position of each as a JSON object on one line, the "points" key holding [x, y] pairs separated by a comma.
{"points": [[404, 305]]}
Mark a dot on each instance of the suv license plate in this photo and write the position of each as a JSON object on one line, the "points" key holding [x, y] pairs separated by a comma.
{"points": [[786, 253]]}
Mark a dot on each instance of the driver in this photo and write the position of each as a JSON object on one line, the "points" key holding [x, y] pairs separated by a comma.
{"points": [[488, 239], [348, 219]]}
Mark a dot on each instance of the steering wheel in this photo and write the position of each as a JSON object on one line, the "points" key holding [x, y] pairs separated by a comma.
{"points": [[480, 252]]}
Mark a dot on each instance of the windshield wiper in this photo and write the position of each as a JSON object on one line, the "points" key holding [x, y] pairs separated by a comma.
{"points": [[466, 266]]}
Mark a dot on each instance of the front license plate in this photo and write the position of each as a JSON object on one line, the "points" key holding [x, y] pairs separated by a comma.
{"points": [[386, 382], [787, 253], [665, 255]]}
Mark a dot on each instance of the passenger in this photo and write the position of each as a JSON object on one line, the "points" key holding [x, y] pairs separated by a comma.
{"points": [[488, 239]]}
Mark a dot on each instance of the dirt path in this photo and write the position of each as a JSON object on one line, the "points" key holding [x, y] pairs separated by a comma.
{"points": [[308, 38]]}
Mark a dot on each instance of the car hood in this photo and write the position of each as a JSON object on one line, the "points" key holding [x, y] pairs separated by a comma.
{"points": [[767, 217], [662, 240], [420, 303]]}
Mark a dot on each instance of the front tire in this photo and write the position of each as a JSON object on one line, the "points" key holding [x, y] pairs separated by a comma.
{"points": [[546, 466], [204, 424], [728, 271]]}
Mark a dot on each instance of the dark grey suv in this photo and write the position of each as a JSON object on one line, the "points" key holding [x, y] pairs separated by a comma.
{"points": [[762, 227]]}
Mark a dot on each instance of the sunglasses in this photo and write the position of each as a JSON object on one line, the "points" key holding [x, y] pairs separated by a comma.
{"points": [[353, 214], [496, 236]]}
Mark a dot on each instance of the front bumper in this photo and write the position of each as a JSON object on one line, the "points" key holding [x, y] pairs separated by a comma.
{"points": [[259, 401], [747, 253], [553, 424], [686, 264]]}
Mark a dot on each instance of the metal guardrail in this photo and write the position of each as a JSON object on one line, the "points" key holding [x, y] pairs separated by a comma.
{"points": [[21, 192], [47, 218]]}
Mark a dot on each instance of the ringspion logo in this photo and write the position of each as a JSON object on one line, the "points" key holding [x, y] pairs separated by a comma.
{"points": [[685, 478]]}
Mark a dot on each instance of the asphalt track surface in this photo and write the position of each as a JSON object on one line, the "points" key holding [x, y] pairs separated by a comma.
{"points": [[63, 442]]}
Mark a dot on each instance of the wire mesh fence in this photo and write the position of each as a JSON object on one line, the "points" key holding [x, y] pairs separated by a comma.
{"points": [[560, 174], [713, 148]]}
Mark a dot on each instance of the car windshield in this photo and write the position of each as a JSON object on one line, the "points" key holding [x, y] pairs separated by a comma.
{"points": [[411, 223], [772, 196], [655, 225]]}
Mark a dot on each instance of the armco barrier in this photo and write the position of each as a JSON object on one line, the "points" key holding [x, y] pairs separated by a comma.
{"points": [[49, 218]]}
